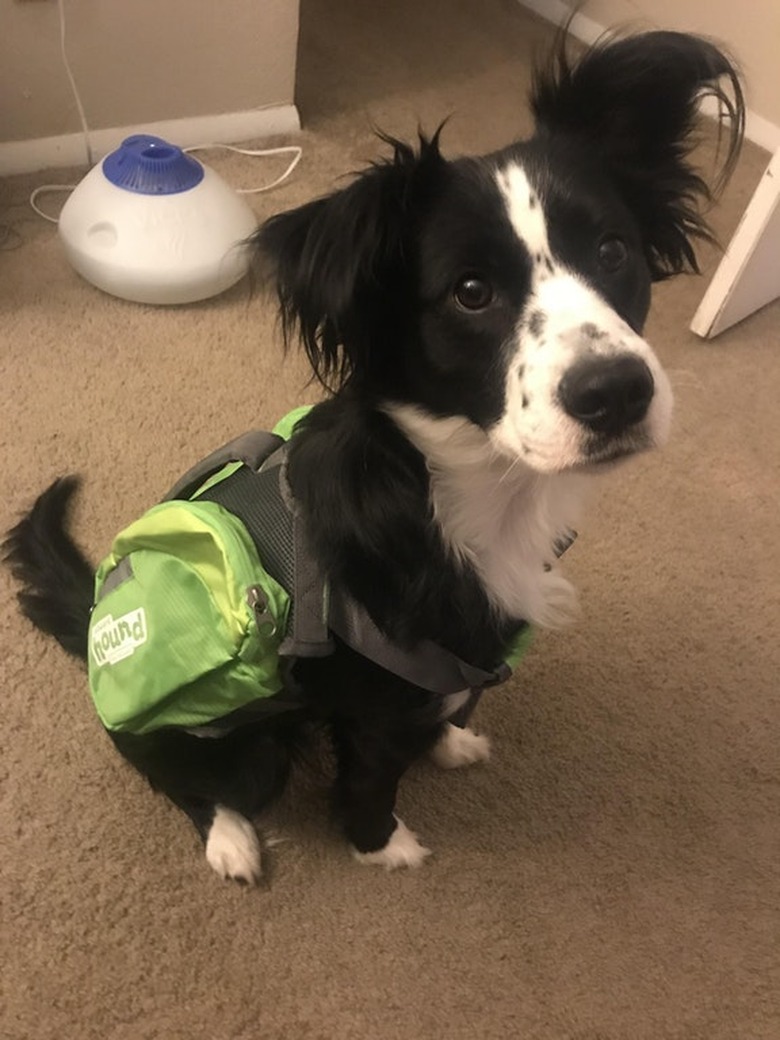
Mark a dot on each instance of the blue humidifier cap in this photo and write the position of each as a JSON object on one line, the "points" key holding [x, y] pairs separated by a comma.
{"points": [[149, 165]]}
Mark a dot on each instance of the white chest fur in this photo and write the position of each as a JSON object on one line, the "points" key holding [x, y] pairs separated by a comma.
{"points": [[498, 515]]}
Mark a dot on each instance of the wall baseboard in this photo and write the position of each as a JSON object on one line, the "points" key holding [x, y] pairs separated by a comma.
{"points": [[757, 129], [69, 149]]}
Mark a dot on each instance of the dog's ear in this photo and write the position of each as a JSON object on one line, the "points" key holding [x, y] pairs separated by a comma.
{"points": [[634, 100], [339, 263]]}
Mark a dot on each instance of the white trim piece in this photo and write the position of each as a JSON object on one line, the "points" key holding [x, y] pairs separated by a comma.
{"points": [[558, 12], [748, 276], [761, 131], [757, 129], [69, 149]]}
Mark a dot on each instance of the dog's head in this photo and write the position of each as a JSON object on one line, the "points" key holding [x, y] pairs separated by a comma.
{"points": [[512, 289]]}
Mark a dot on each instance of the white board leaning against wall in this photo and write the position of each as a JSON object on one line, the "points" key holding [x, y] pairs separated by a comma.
{"points": [[748, 276]]}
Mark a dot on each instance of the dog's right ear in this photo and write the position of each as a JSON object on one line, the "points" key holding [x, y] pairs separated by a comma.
{"points": [[634, 100], [340, 263]]}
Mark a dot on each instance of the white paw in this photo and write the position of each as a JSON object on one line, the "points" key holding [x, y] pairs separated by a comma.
{"points": [[233, 848], [403, 850], [459, 746]]}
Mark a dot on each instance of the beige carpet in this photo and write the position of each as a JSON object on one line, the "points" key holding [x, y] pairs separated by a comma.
{"points": [[613, 873]]}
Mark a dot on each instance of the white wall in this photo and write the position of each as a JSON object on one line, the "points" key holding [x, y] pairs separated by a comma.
{"points": [[142, 61]]}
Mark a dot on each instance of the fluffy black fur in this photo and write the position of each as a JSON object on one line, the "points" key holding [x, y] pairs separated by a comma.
{"points": [[596, 101], [411, 287]]}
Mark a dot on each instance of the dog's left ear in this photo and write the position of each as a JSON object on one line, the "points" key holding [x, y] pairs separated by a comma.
{"points": [[635, 101], [339, 263]]}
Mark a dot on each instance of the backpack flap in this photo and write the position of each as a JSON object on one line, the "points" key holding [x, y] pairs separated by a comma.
{"points": [[186, 621]]}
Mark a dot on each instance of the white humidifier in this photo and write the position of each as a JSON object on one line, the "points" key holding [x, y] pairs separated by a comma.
{"points": [[152, 224]]}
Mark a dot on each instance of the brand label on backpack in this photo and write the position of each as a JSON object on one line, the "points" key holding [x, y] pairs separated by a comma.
{"points": [[113, 639]]}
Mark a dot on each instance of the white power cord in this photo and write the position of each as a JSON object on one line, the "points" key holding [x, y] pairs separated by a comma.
{"points": [[82, 117], [45, 189], [73, 87], [295, 150]]}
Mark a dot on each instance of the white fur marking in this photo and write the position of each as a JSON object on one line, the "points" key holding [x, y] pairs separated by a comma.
{"points": [[402, 850], [535, 425], [233, 848], [528, 222], [498, 515], [460, 746]]}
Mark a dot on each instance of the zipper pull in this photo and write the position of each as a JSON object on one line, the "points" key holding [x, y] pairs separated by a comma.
{"points": [[266, 624]]}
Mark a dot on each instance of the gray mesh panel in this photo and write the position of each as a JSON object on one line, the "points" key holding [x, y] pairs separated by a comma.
{"points": [[258, 501]]}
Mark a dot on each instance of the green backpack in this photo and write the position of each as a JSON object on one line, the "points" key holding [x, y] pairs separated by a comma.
{"points": [[187, 621], [203, 603]]}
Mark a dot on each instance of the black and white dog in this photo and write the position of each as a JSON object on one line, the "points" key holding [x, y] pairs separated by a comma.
{"points": [[478, 322]]}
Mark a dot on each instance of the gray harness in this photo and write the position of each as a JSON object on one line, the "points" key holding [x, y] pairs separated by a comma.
{"points": [[258, 493]]}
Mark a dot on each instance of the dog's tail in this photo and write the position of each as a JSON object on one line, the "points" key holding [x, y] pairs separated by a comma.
{"points": [[57, 580]]}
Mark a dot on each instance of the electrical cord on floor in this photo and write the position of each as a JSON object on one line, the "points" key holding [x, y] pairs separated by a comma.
{"points": [[45, 189], [293, 149]]}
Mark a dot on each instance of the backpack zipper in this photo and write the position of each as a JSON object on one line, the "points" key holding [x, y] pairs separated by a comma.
{"points": [[266, 624]]}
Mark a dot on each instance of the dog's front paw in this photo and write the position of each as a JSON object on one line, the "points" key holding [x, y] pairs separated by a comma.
{"points": [[402, 850], [459, 746], [233, 848]]}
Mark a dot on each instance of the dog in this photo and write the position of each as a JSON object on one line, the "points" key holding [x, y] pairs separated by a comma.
{"points": [[477, 323]]}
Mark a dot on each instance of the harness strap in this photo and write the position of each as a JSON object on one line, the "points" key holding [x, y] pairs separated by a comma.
{"points": [[427, 664], [258, 494], [251, 448], [264, 503]]}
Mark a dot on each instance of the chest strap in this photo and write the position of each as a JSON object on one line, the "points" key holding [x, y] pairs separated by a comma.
{"points": [[427, 664]]}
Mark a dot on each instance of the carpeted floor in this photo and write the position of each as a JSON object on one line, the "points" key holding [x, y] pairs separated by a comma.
{"points": [[613, 873]]}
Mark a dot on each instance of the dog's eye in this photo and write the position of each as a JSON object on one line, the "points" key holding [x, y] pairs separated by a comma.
{"points": [[473, 293], [612, 253]]}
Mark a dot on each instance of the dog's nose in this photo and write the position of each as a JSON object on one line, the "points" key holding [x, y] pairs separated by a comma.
{"points": [[607, 394]]}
